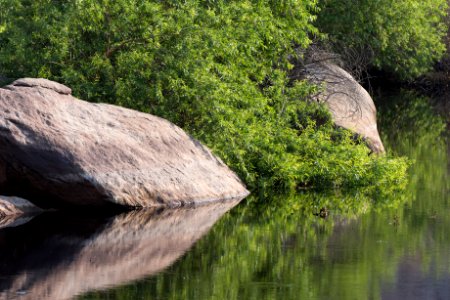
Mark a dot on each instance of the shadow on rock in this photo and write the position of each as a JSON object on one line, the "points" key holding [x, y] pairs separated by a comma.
{"points": [[41, 260]]}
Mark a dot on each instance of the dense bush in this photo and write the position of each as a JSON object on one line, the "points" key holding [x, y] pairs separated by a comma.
{"points": [[217, 68], [404, 37]]}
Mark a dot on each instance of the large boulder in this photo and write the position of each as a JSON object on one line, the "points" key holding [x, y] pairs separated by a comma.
{"points": [[350, 104], [56, 149]]}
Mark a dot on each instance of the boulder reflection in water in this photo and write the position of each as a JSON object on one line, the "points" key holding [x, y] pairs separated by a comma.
{"points": [[59, 256]]}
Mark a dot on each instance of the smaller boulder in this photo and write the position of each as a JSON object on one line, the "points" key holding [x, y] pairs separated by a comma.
{"points": [[350, 105], [43, 83]]}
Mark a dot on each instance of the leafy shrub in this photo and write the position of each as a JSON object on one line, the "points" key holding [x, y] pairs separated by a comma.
{"points": [[217, 68], [405, 37]]}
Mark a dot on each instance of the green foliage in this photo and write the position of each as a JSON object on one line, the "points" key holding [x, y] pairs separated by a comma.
{"points": [[406, 36], [219, 69]]}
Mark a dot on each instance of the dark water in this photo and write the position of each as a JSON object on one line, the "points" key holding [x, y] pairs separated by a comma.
{"points": [[393, 248]]}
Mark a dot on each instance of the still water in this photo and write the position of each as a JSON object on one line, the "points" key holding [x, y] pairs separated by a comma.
{"points": [[366, 248]]}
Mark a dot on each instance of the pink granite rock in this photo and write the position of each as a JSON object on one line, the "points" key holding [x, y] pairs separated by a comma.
{"points": [[56, 149], [350, 104]]}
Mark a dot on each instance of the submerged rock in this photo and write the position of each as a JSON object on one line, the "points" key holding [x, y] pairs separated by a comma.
{"points": [[10, 206], [350, 104], [56, 149], [15, 211]]}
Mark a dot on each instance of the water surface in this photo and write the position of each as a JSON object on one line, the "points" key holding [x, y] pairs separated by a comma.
{"points": [[365, 249], [380, 247]]}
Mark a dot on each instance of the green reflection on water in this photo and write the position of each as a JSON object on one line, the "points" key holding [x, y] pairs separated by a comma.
{"points": [[282, 250]]}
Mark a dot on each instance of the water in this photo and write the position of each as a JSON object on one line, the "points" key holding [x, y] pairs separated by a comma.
{"points": [[365, 249]]}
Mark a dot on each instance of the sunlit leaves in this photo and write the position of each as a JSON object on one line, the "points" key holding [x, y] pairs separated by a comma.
{"points": [[406, 36], [219, 69]]}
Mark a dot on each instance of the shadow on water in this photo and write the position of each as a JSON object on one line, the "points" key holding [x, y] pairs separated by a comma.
{"points": [[60, 255]]}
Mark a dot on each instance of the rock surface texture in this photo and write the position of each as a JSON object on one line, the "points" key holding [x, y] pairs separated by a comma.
{"points": [[56, 149], [350, 104]]}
